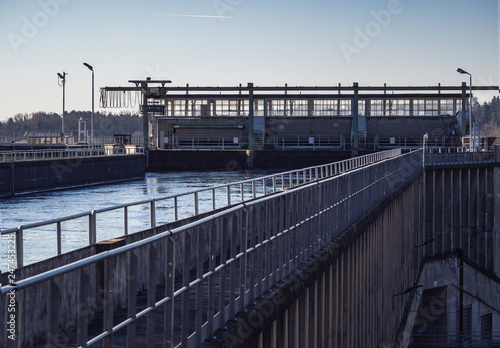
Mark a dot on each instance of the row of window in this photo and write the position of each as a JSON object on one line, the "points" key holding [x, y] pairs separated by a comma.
{"points": [[313, 107]]}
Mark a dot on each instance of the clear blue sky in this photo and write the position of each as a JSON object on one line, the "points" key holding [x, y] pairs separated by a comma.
{"points": [[228, 42]]}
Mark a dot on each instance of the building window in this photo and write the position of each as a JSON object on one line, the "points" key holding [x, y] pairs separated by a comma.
{"points": [[345, 108], [235, 107], [298, 107], [400, 107], [376, 108], [325, 107], [467, 323], [486, 326], [426, 107]]}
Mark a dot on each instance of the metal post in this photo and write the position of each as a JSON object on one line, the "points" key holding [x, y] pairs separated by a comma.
{"points": [[92, 228], [355, 120], [19, 247], [91, 68], [470, 110], [64, 97], [145, 129], [152, 212], [92, 122], [250, 117]]}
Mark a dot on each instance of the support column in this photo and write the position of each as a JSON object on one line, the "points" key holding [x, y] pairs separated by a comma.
{"points": [[250, 151], [355, 123], [145, 127]]}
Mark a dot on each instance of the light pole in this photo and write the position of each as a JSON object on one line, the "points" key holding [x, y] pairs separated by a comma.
{"points": [[62, 82], [461, 71], [92, 120]]}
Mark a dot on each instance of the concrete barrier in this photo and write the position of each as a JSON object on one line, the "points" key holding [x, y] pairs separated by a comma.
{"points": [[19, 177]]}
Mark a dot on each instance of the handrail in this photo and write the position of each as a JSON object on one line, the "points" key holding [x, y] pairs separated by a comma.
{"points": [[237, 243], [459, 155], [53, 154], [267, 184]]}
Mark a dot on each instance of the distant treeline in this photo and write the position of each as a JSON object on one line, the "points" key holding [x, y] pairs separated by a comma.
{"points": [[43, 122], [488, 116]]}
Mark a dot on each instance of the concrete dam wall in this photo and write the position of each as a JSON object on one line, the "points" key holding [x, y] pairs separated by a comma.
{"points": [[26, 176]]}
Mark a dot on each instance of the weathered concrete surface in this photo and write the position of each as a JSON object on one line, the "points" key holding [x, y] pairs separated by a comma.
{"points": [[462, 211], [441, 290], [18, 177], [345, 297]]}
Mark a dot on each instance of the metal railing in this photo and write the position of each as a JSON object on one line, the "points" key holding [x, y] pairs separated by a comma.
{"points": [[204, 141], [309, 141], [208, 270], [459, 156], [413, 141], [53, 154], [233, 193]]}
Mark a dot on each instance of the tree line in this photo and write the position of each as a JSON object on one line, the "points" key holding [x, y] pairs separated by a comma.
{"points": [[105, 124], [487, 116]]}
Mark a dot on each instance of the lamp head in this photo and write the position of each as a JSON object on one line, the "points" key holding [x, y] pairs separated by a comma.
{"points": [[461, 71], [89, 66], [60, 76]]}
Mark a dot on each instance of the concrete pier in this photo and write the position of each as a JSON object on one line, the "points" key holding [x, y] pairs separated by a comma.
{"points": [[26, 176]]}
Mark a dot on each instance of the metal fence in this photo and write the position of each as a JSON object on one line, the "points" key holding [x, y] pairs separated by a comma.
{"points": [[309, 141], [459, 156], [53, 154], [412, 141], [232, 192], [207, 141], [200, 275]]}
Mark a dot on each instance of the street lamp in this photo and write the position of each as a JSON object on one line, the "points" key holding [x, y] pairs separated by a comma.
{"points": [[62, 82], [461, 71], [92, 121]]}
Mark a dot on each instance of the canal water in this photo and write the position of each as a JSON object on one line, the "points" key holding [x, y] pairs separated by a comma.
{"points": [[41, 242]]}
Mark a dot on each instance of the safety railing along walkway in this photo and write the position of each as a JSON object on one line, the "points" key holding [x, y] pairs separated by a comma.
{"points": [[201, 274], [53, 154], [459, 156], [217, 197]]}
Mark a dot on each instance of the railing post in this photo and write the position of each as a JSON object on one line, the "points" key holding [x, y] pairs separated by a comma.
{"points": [[19, 247], [152, 212], [92, 228], [176, 214], [59, 238], [196, 203], [125, 220]]}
